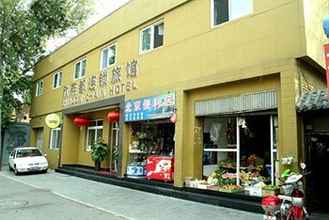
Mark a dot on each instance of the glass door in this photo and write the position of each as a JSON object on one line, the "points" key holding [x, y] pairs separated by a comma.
{"points": [[221, 148], [114, 148], [274, 151]]}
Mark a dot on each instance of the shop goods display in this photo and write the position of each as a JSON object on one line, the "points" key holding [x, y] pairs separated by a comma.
{"points": [[160, 168], [231, 188], [224, 178], [136, 170]]}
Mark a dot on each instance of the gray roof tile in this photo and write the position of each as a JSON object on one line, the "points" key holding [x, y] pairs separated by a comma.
{"points": [[312, 101]]}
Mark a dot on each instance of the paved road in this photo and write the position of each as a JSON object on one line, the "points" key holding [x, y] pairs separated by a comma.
{"points": [[59, 196]]}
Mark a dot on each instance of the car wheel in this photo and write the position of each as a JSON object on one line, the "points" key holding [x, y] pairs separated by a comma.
{"points": [[16, 171], [45, 171], [10, 169]]}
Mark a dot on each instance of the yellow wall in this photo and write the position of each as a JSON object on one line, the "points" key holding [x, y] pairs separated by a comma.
{"points": [[253, 53], [71, 133], [314, 12], [192, 51], [52, 155], [308, 80]]}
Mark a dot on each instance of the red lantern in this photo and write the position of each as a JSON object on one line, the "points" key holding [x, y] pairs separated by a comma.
{"points": [[113, 116], [79, 121]]}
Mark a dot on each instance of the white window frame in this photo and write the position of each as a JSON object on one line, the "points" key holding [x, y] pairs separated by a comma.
{"points": [[212, 18], [141, 51], [38, 88], [80, 69], [51, 147], [273, 149], [57, 84], [96, 128], [107, 60]]}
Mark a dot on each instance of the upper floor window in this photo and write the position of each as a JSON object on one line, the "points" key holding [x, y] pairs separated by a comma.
{"points": [[151, 37], [80, 69], [39, 88], [57, 80], [227, 10], [108, 56], [55, 138]]}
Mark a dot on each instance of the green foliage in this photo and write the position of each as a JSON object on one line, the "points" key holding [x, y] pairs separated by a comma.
{"points": [[25, 27], [99, 151]]}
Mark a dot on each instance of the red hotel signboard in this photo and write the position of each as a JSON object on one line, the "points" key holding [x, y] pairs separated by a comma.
{"points": [[326, 54]]}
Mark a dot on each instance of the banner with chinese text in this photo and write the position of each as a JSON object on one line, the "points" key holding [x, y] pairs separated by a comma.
{"points": [[154, 107]]}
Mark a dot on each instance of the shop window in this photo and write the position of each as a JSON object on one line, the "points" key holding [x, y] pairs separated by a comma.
{"points": [[151, 150], [152, 37], [80, 69], [39, 88], [55, 138], [57, 80], [227, 10], [108, 56], [94, 133], [239, 153]]}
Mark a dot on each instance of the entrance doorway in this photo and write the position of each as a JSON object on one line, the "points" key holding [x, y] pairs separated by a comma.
{"points": [[39, 138], [318, 162], [114, 148]]}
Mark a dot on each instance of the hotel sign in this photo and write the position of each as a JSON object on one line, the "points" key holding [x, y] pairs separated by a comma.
{"points": [[109, 82], [154, 107]]}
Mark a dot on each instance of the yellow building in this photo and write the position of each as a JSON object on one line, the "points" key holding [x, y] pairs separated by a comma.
{"points": [[205, 82]]}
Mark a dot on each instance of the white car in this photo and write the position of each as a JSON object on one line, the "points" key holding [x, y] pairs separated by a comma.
{"points": [[27, 159]]}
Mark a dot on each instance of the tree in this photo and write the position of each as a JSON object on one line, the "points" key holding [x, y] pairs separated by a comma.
{"points": [[25, 27]]}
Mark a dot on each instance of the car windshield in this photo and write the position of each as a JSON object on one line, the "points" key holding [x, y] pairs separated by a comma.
{"points": [[28, 153]]}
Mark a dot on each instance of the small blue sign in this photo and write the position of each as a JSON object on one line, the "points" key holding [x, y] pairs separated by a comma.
{"points": [[326, 25], [153, 107]]}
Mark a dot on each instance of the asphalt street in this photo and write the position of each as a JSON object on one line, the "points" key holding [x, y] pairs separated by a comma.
{"points": [[59, 196]]}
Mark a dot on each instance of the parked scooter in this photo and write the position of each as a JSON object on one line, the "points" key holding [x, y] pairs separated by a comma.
{"points": [[289, 206]]}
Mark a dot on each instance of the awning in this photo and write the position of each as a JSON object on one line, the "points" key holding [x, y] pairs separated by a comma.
{"points": [[259, 101], [313, 101]]}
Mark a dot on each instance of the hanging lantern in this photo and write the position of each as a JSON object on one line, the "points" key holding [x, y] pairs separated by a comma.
{"points": [[113, 116], [173, 118], [79, 121]]}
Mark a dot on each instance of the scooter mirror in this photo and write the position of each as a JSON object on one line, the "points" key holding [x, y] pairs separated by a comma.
{"points": [[303, 166]]}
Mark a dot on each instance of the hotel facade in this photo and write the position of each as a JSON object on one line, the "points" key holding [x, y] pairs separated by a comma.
{"points": [[203, 89]]}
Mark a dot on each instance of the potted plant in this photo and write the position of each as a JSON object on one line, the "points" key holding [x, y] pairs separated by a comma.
{"points": [[99, 152]]}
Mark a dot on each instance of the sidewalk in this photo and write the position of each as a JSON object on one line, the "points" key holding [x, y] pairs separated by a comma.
{"points": [[130, 204]]}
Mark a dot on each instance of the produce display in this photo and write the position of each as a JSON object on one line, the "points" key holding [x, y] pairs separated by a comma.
{"points": [[224, 178], [231, 188]]}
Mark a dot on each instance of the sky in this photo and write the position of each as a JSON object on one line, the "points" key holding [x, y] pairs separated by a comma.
{"points": [[102, 8]]}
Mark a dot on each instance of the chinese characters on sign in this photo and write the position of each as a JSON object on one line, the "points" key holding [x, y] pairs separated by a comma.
{"points": [[147, 108], [105, 84]]}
